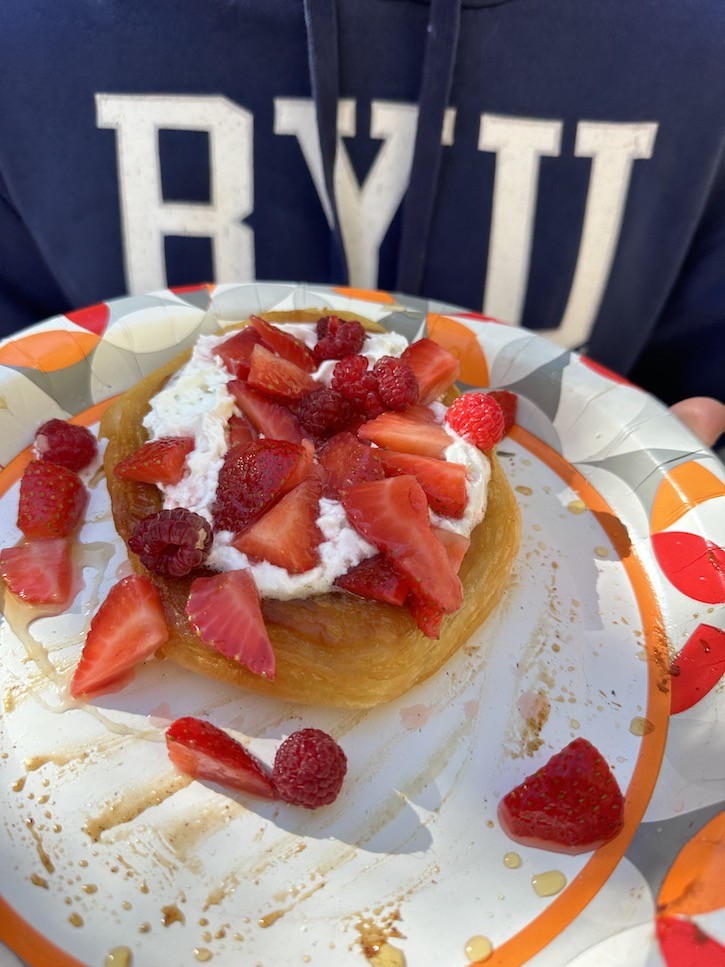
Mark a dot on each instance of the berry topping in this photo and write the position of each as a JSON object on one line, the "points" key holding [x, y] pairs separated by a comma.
{"points": [[67, 444], [236, 352], [353, 380], [201, 750], [160, 461], [309, 768], [323, 412], [571, 805], [39, 572], [277, 377], [508, 402], [375, 578], [284, 344], [478, 418], [338, 338], [443, 482], [52, 500], [288, 535], [267, 416], [393, 516], [414, 431], [435, 368], [253, 477], [225, 613], [126, 630], [172, 542], [346, 462], [428, 617], [397, 384], [240, 431]]}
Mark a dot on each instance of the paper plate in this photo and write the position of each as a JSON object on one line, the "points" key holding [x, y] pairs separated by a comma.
{"points": [[611, 629]]}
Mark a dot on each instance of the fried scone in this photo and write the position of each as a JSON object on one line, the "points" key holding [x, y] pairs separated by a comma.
{"points": [[333, 648]]}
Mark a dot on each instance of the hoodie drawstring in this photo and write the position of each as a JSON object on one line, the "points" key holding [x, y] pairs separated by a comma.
{"points": [[437, 78]]}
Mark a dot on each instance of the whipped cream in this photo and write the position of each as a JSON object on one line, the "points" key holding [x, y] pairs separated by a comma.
{"points": [[196, 402]]}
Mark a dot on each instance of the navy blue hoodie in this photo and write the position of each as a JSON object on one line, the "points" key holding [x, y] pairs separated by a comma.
{"points": [[567, 173]]}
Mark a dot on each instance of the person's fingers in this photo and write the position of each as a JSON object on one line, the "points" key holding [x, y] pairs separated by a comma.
{"points": [[703, 415]]}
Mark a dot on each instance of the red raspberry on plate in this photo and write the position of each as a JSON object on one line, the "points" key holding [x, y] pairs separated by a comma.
{"points": [[478, 418], [66, 444], [353, 380], [172, 542], [309, 768], [338, 338], [323, 412], [509, 403], [397, 383]]}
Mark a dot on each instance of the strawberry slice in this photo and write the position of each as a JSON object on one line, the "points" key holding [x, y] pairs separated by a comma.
{"points": [[241, 431], [571, 805], [393, 515], [288, 535], [225, 613], [427, 616], [375, 578], [277, 377], [52, 500], [201, 750], [126, 630], [414, 431], [284, 344], [444, 483], [346, 462], [161, 461], [39, 572], [272, 419], [253, 477], [236, 351], [435, 368]]}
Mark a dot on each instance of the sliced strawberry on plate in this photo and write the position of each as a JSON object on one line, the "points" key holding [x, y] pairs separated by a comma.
{"points": [[509, 403], [52, 500], [126, 630], [241, 431], [39, 572], [444, 483], [392, 515], [284, 344], [375, 578], [435, 368], [288, 535], [236, 351], [346, 462], [277, 377], [225, 613], [573, 804], [201, 750], [253, 477], [161, 461], [428, 617], [414, 431], [267, 416]]}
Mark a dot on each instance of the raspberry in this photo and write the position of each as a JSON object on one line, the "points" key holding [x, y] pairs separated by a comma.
{"points": [[478, 418], [352, 379], [66, 444], [338, 338], [323, 411], [508, 402], [397, 383], [309, 768], [172, 542]]}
